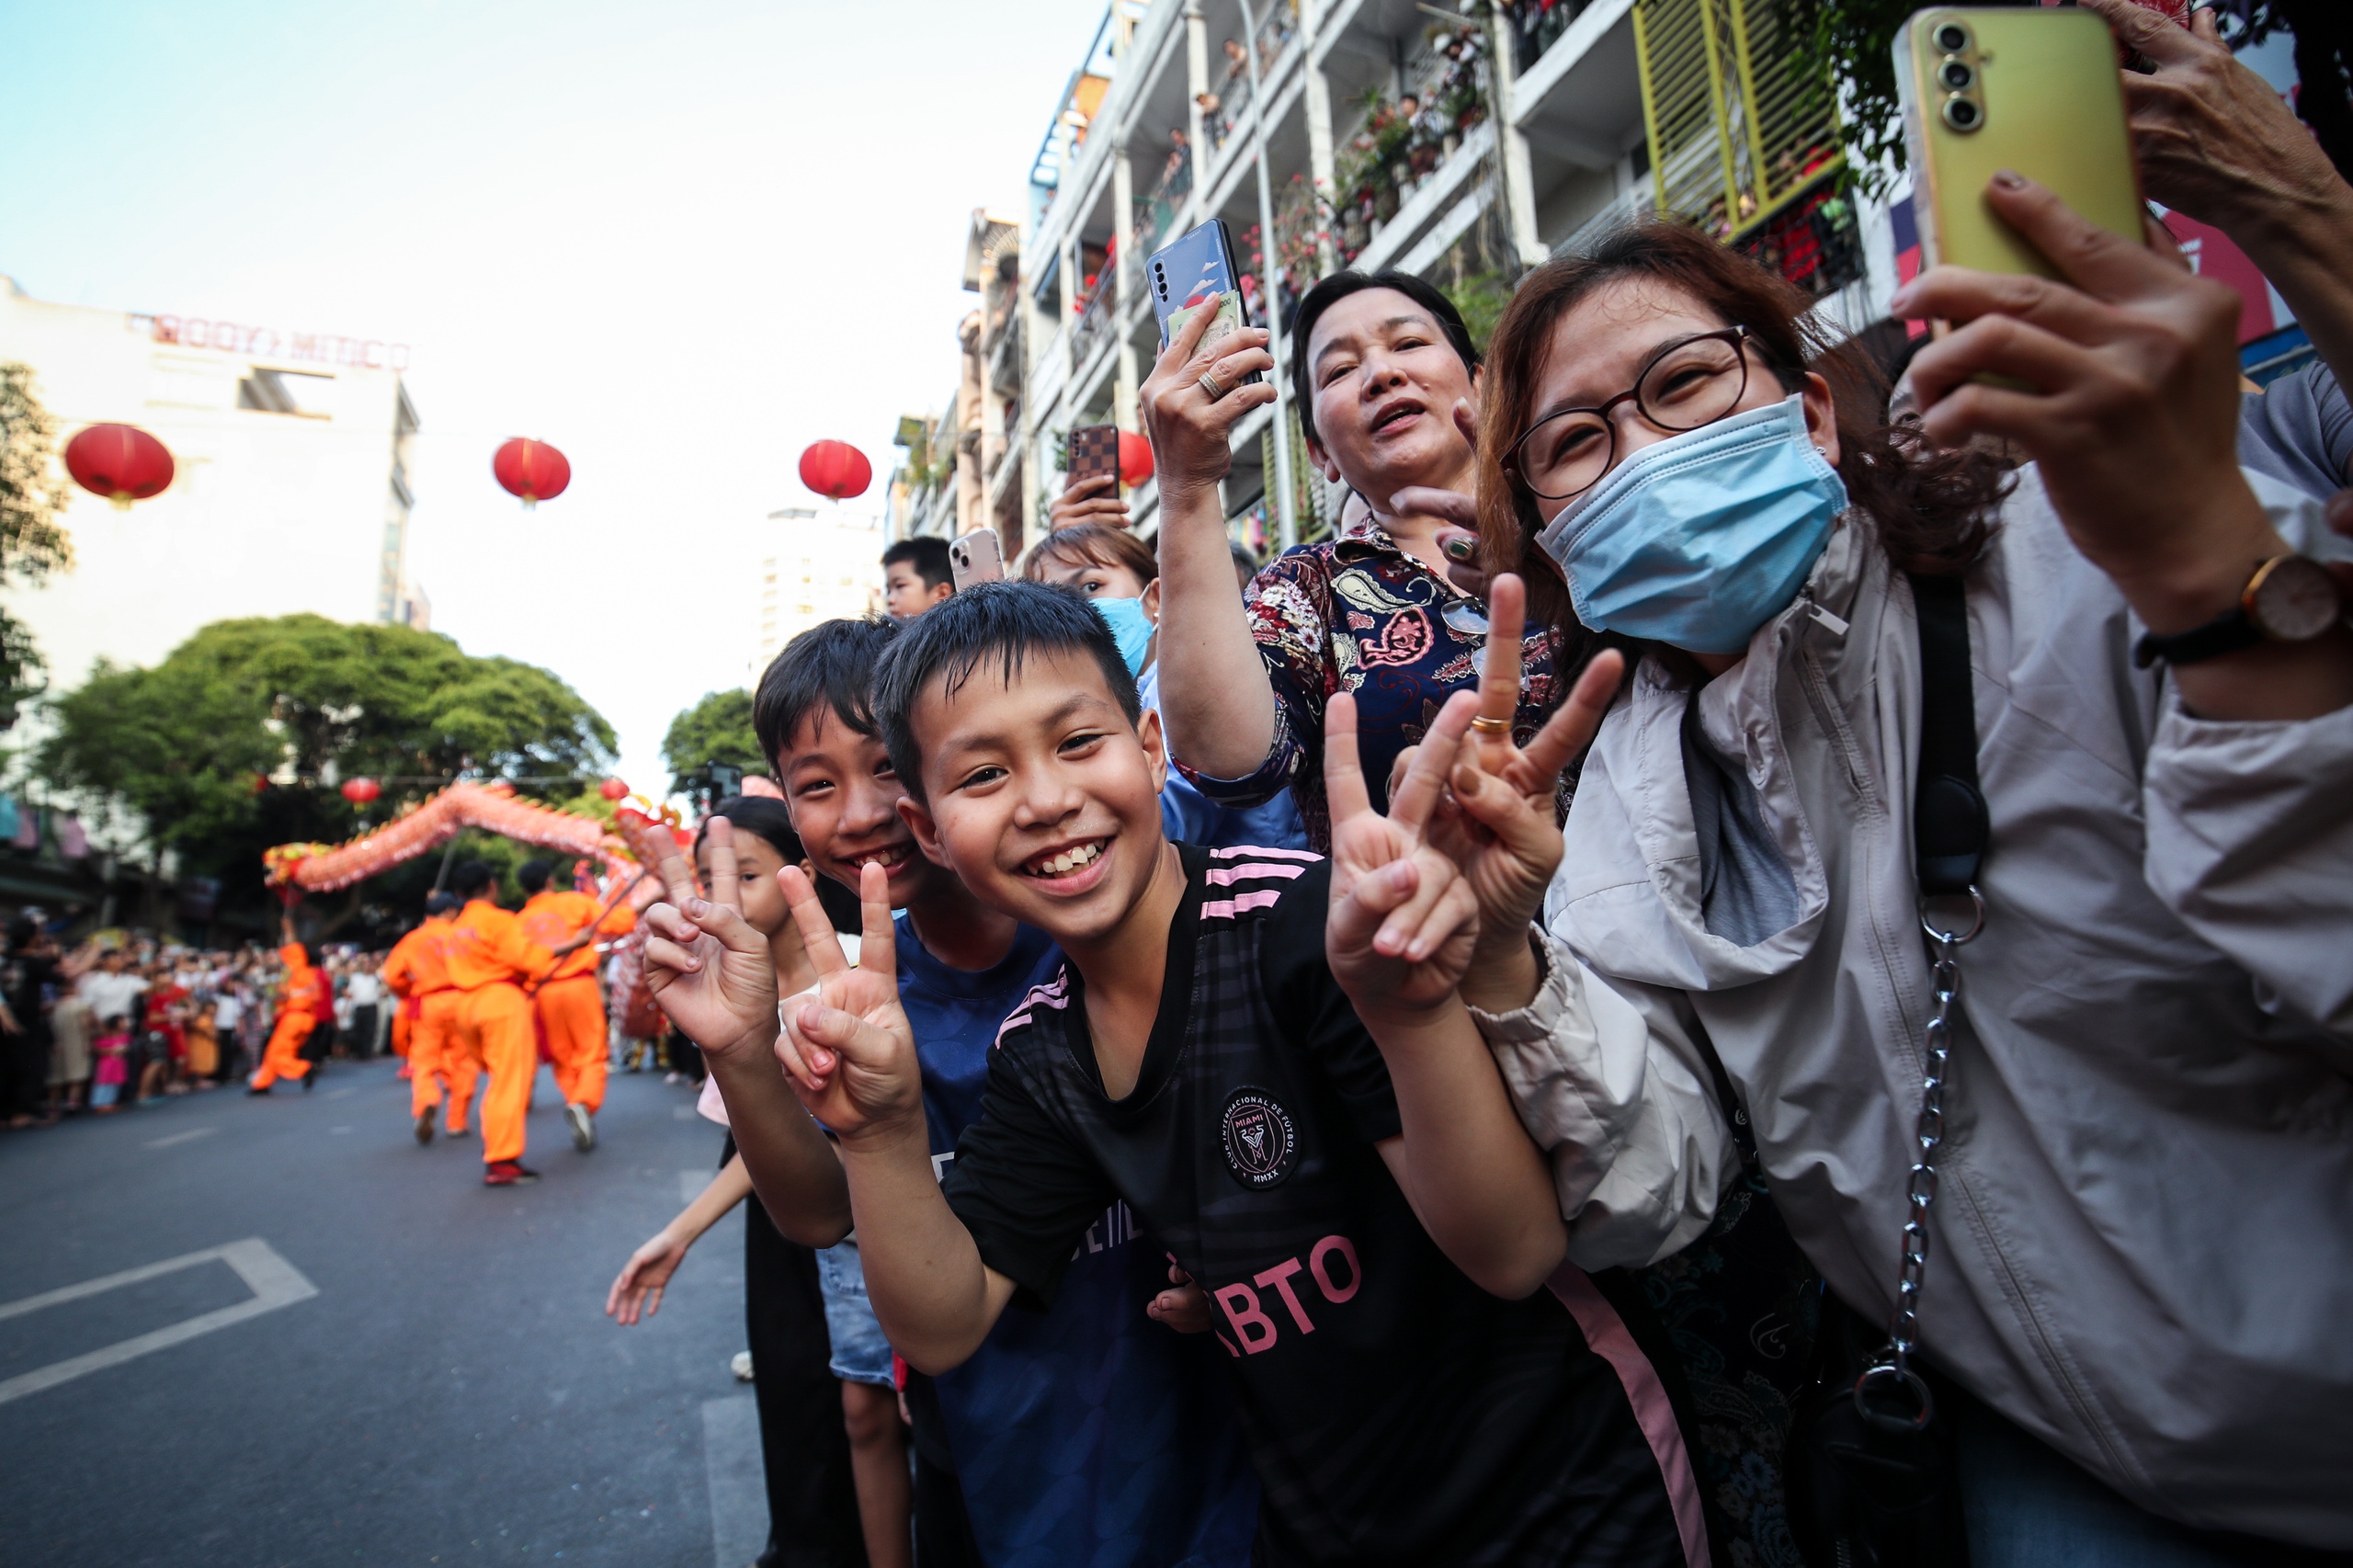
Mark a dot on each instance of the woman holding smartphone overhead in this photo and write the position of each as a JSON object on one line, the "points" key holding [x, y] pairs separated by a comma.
{"points": [[1385, 380], [2094, 729]]}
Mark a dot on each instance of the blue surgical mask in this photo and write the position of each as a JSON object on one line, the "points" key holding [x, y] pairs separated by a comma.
{"points": [[1699, 540], [1129, 627]]}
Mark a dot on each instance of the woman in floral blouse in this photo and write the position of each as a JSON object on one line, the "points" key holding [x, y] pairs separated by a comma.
{"points": [[1385, 380]]}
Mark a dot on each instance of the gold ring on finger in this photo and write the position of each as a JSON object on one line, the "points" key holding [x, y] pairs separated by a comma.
{"points": [[1212, 385], [1490, 726]]}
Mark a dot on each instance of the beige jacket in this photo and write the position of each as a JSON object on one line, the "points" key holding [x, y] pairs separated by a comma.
{"points": [[2143, 1244]]}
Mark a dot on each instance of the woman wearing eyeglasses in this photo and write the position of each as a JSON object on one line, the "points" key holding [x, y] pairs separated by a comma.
{"points": [[2134, 1261]]}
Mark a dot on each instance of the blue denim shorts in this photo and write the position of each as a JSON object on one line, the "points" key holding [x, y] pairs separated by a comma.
{"points": [[860, 1353]]}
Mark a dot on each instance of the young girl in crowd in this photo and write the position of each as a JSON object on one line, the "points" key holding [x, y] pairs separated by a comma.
{"points": [[830, 1433], [113, 1048]]}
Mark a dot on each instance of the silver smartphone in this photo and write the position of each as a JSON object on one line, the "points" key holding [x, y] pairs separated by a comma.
{"points": [[976, 557]]}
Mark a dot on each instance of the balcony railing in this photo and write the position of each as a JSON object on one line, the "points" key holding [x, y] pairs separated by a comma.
{"points": [[1094, 318], [1401, 144], [1229, 94], [1156, 213], [1537, 24]]}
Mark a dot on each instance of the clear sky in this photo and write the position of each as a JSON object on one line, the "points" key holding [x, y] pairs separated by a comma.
{"points": [[681, 242]]}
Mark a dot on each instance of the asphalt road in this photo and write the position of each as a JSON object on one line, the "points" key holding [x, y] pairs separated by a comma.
{"points": [[383, 1361]]}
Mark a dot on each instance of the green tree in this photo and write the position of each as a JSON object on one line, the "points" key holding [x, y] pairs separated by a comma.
{"points": [[31, 544], [238, 740], [717, 729]]}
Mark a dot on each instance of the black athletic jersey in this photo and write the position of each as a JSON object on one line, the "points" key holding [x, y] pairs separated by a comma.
{"points": [[1397, 1413]]}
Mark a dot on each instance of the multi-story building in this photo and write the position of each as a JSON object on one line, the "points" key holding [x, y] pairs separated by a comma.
{"points": [[293, 455], [827, 562], [1465, 144]]}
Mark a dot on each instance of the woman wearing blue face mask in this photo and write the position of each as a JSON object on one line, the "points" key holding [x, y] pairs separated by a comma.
{"points": [[1118, 574], [2131, 1245]]}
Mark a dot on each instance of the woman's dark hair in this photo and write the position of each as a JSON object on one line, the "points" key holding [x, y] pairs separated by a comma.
{"points": [[1932, 508], [1338, 287], [1091, 544], [471, 877], [1007, 623], [828, 667]]}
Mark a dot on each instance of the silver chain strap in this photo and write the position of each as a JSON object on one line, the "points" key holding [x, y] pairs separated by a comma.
{"points": [[1889, 1379]]}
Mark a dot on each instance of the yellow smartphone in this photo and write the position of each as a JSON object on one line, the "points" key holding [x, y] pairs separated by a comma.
{"points": [[1985, 88]]}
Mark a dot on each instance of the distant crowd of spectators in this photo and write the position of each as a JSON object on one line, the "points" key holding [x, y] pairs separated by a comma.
{"points": [[128, 1018]]}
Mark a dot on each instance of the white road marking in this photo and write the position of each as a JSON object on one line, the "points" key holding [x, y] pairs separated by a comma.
{"points": [[339, 1093], [273, 1281], [739, 1499], [190, 1136], [690, 1185], [682, 1113]]}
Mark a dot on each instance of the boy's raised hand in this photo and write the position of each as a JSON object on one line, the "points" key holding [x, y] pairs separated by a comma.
{"points": [[708, 969], [1403, 920], [850, 1053]]}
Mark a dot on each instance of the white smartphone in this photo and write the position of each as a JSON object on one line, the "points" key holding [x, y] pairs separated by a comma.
{"points": [[976, 557]]}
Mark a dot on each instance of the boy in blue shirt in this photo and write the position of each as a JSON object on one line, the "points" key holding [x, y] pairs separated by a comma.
{"points": [[1086, 1434]]}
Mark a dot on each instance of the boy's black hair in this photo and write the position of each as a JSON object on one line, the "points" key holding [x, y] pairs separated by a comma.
{"points": [[469, 877], [1338, 287], [532, 875], [831, 665], [1007, 622], [442, 904], [928, 554]]}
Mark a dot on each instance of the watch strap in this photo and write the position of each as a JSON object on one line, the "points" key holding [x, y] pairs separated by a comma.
{"points": [[2231, 631]]}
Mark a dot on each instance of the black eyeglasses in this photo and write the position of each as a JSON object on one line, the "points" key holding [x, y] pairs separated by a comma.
{"points": [[1686, 384]]}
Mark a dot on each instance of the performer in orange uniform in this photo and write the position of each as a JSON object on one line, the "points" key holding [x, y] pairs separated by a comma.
{"points": [[417, 970], [492, 962], [300, 1006], [570, 1006]]}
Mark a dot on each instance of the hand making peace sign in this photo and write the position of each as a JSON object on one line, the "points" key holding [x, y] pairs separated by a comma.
{"points": [[1503, 831], [850, 1053], [709, 970], [1399, 930]]}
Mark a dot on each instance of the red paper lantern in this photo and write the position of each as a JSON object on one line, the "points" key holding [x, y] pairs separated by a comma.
{"points": [[1135, 459], [836, 468], [359, 791], [121, 462], [532, 470], [613, 790]]}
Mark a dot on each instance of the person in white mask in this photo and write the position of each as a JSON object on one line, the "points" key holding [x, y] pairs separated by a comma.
{"points": [[2090, 724]]}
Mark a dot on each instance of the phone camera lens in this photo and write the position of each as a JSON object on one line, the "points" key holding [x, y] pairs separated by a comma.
{"points": [[1956, 75], [1951, 38], [1963, 115]]}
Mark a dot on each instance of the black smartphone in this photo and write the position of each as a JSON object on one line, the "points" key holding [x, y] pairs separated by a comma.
{"points": [[1195, 272]]}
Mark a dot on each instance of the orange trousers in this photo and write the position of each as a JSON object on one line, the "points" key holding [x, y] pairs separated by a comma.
{"points": [[494, 1027], [283, 1059], [571, 1019], [402, 1022], [438, 1056]]}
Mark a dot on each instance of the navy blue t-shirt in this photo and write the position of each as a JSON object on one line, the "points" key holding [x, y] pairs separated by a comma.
{"points": [[1087, 1434]]}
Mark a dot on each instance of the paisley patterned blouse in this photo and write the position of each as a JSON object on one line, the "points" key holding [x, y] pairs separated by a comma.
{"points": [[1362, 615]]}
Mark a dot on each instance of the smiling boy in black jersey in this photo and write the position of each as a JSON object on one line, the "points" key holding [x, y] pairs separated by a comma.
{"points": [[1371, 1220]]}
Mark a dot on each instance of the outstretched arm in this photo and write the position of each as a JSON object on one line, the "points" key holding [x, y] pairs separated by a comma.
{"points": [[1214, 693], [1401, 929], [851, 1058], [636, 1291]]}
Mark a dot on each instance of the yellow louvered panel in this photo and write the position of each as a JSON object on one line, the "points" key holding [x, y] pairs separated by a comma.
{"points": [[1736, 121]]}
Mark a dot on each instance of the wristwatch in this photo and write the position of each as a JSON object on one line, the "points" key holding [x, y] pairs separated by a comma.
{"points": [[2290, 599]]}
